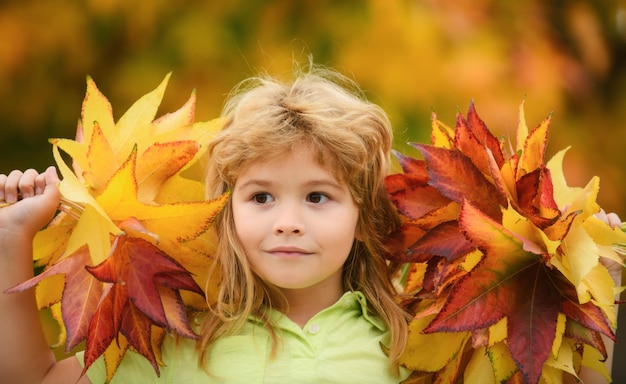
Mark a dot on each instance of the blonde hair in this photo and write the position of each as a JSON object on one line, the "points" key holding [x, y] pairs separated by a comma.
{"points": [[327, 112]]}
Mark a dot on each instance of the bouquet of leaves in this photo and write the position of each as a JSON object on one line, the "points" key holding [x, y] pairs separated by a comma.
{"points": [[503, 263], [130, 249], [500, 257]]}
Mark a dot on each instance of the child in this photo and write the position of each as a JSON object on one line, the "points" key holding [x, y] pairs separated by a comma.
{"points": [[305, 294]]}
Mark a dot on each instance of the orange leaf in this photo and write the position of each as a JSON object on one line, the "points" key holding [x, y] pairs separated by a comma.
{"points": [[160, 162], [474, 139]]}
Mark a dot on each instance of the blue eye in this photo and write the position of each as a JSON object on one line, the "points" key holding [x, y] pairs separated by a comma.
{"points": [[262, 198], [317, 198]]}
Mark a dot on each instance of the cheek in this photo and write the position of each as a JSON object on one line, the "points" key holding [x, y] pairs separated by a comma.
{"points": [[246, 226], [344, 232]]}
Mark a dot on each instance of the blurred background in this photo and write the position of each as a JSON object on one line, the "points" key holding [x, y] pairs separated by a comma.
{"points": [[412, 57]]}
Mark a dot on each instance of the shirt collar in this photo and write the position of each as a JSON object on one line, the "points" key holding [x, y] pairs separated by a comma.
{"points": [[349, 301]]}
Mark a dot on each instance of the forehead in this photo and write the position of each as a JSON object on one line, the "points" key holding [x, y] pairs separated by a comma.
{"points": [[298, 161]]}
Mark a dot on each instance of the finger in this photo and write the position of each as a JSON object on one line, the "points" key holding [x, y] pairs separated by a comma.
{"points": [[46, 179], [11, 185], [26, 184], [3, 181], [40, 183], [613, 219], [52, 178]]}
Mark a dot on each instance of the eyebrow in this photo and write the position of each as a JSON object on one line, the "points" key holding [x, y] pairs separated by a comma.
{"points": [[324, 182], [309, 184]]}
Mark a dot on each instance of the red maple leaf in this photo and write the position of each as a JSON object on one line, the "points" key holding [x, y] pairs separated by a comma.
{"points": [[78, 307], [455, 176], [472, 137], [508, 281], [140, 276], [513, 283]]}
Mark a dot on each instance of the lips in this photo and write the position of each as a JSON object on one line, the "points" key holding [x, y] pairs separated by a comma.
{"points": [[288, 252]]}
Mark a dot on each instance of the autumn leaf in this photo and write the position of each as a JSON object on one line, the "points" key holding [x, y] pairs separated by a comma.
{"points": [[497, 244], [535, 197], [534, 149], [516, 285], [473, 138], [455, 176], [80, 306], [137, 270], [442, 348], [413, 196], [410, 165], [443, 240]]}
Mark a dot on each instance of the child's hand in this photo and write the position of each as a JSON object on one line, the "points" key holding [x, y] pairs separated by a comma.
{"points": [[28, 200], [614, 268], [610, 218]]}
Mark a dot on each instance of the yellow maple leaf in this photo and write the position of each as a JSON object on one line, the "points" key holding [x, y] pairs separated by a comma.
{"points": [[480, 369], [441, 348]]}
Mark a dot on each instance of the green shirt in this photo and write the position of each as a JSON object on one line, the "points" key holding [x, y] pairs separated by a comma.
{"points": [[341, 344]]}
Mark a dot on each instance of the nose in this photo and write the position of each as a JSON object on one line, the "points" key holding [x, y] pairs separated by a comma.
{"points": [[288, 220]]}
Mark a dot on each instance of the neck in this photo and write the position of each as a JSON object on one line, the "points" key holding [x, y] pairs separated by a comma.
{"points": [[306, 303]]}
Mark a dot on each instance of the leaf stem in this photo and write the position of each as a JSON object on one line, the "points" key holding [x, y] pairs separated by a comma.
{"points": [[71, 208]]}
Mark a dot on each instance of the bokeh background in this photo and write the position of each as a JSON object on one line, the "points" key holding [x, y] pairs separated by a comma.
{"points": [[412, 57]]}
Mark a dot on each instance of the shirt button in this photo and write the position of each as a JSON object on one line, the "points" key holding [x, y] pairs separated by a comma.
{"points": [[314, 328]]}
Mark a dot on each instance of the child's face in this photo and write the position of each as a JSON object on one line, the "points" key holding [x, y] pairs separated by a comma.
{"points": [[296, 221]]}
